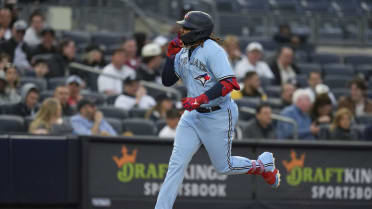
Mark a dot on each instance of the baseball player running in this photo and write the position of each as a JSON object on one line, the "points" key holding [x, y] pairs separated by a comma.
{"points": [[197, 59]]}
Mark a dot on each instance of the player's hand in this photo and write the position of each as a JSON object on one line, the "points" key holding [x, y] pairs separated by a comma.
{"points": [[174, 46], [192, 103]]}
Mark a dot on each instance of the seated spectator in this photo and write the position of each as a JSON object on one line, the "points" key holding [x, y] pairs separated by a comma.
{"points": [[314, 80], [28, 104], [287, 94], [74, 85], [60, 61], [118, 70], [231, 46], [130, 49], [261, 126], [47, 43], [16, 48], [151, 62], [322, 110], [5, 23], [285, 36], [341, 126], [40, 67], [134, 95], [163, 105], [299, 112], [357, 102], [62, 94], [252, 62], [283, 68], [89, 121], [252, 88], [162, 41], [4, 60], [6, 96], [47, 117], [172, 119], [12, 78], [93, 57], [32, 36]]}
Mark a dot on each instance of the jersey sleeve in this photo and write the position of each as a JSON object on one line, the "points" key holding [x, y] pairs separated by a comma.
{"points": [[177, 65], [219, 64]]}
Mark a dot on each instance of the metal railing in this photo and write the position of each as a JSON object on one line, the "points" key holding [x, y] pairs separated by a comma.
{"points": [[275, 117]]}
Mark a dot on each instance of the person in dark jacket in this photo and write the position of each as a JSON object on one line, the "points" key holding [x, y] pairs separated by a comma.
{"points": [[283, 68], [60, 61], [341, 127], [47, 43], [261, 126], [16, 48], [29, 100], [151, 62]]}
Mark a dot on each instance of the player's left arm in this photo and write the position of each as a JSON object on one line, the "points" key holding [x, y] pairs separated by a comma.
{"points": [[221, 69]]}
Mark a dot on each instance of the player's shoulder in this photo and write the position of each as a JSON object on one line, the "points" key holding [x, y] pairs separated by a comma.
{"points": [[212, 45]]}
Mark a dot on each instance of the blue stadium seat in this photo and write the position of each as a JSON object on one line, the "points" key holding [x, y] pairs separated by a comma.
{"points": [[57, 81], [139, 126], [46, 94], [337, 81], [40, 83], [160, 124], [273, 91], [369, 84], [358, 59], [114, 112], [11, 124], [302, 80], [107, 38], [255, 5], [98, 98], [326, 58], [116, 124], [317, 6], [364, 119], [110, 100], [338, 69], [5, 109], [137, 113], [338, 92], [248, 102], [79, 37], [307, 68]]}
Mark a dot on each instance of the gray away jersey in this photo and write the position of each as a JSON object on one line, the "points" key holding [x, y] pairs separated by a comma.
{"points": [[207, 66]]}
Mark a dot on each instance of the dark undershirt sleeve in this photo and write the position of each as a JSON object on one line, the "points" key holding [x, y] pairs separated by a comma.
{"points": [[169, 76]]}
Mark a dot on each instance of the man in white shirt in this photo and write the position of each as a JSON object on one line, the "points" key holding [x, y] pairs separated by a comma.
{"points": [[33, 33], [172, 119], [134, 95], [118, 69], [252, 62]]}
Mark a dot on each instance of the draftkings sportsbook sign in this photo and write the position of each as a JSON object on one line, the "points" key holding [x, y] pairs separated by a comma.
{"points": [[130, 171]]}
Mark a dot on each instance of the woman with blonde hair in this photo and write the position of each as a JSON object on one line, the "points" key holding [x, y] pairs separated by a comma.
{"points": [[341, 126], [48, 115], [231, 46]]}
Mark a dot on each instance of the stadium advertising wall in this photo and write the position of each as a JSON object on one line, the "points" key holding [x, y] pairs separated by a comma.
{"points": [[120, 172]]}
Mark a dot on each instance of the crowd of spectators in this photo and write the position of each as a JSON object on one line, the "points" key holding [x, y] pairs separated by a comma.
{"points": [[35, 55]]}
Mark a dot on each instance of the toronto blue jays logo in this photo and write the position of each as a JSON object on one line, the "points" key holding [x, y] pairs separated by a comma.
{"points": [[203, 78]]}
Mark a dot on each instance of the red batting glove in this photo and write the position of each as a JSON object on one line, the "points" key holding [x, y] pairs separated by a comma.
{"points": [[192, 103], [174, 47]]}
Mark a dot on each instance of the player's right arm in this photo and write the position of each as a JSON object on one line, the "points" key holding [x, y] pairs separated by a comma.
{"points": [[169, 76]]}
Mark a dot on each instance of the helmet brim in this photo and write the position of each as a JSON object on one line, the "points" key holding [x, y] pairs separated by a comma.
{"points": [[186, 24]]}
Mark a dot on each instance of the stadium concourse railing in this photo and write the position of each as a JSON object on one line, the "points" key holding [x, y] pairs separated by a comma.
{"points": [[127, 172]]}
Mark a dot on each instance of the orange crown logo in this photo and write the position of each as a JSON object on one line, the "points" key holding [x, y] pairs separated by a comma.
{"points": [[125, 157], [294, 162]]}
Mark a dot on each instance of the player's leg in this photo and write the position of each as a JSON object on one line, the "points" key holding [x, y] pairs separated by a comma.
{"points": [[185, 145], [217, 142]]}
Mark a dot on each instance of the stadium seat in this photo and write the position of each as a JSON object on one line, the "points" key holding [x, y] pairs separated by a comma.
{"points": [[324, 132], [358, 59], [326, 58], [116, 124], [27, 121], [5, 109], [285, 5], [139, 126], [79, 37], [11, 124], [98, 98], [369, 84], [182, 90], [248, 102], [114, 112], [338, 92], [365, 70], [307, 68], [302, 80], [364, 119], [337, 81], [110, 100], [273, 91], [46, 94], [160, 124], [57, 81], [137, 113], [317, 6], [244, 116], [338, 69], [107, 38], [39, 83], [274, 103]]}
